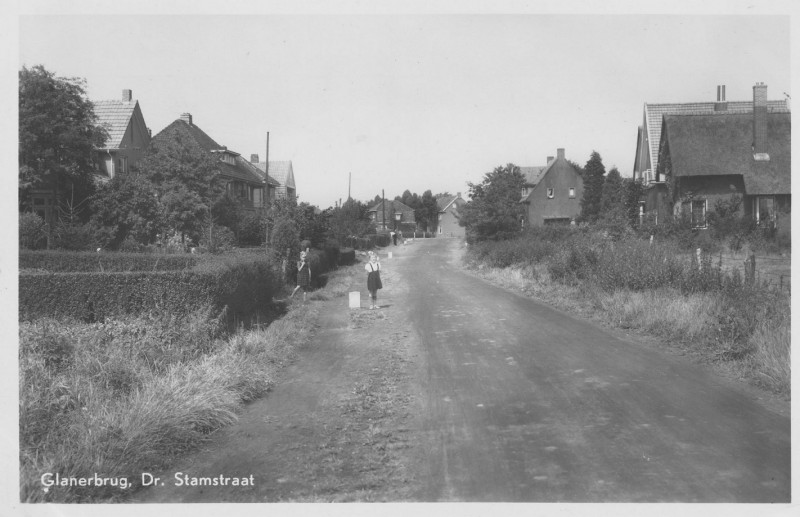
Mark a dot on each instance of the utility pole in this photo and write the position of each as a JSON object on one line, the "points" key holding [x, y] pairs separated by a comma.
{"points": [[383, 207], [349, 181]]}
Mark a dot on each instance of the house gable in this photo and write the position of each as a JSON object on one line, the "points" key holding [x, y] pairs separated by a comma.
{"points": [[557, 195]]}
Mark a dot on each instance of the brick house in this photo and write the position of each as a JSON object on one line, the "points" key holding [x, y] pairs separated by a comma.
{"points": [[243, 180], [447, 218], [553, 194], [398, 216], [280, 171], [128, 135], [707, 157], [654, 201]]}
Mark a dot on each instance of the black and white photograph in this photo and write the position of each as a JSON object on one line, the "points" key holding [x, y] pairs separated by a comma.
{"points": [[339, 258]]}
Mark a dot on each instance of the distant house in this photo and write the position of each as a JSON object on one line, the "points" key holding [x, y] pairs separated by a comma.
{"points": [[283, 173], [532, 176], [397, 216], [555, 197], [649, 139], [243, 180], [128, 135], [447, 221], [707, 157]]}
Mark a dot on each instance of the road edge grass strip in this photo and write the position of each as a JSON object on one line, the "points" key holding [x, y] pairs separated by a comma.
{"points": [[114, 400]]}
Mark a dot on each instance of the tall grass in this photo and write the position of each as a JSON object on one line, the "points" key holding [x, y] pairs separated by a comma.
{"points": [[126, 396], [659, 288]]}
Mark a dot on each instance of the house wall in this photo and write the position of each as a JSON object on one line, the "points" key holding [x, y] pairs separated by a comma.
{"points": [[448, 223], [131, 148], [710, 188], [561, 177]]}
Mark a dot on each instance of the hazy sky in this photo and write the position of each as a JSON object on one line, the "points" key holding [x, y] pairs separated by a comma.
{"points": [[413, 102]]}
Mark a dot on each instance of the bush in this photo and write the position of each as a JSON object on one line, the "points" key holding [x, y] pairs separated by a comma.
{"points": [[251, 230], [217, 239], [74, 237], [32, 231], [238, 287]]}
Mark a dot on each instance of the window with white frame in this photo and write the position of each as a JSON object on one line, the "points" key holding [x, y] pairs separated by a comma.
{"points": [[572, 192], [764, 209], [698, 207], [550, 193]]}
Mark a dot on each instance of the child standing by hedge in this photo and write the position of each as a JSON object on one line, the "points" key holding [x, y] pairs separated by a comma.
{"points": [[303, 276], [373, 268]]}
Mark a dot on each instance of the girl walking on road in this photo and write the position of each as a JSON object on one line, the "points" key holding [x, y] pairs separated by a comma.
{"points": [[303, 276], [373, 268]]}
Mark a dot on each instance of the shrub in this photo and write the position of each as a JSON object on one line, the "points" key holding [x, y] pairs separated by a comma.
{"points": [[251, 230], [216, 239], [237, 286], [74, 237], [32, 231]]}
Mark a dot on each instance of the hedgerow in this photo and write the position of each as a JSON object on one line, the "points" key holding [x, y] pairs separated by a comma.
{"points": [[57, 261], [240, 285]]}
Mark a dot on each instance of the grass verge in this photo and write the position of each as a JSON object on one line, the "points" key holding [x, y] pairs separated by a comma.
{"points": [[127, 396]]}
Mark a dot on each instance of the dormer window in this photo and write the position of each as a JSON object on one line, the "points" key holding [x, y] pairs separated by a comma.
{"points": [[227, 158]]}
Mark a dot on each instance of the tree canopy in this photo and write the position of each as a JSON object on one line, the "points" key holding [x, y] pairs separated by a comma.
{"points": [[58, 133], [494, 210]]}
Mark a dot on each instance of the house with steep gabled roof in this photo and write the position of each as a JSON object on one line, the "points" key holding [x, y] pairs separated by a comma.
{"points": [[708, 157], [556, 195], [646, 162], [244, 182], [283, 173], [447, 221], [397, 215], [128, 135]]}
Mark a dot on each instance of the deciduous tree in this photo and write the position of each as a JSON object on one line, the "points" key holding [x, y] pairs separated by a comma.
{"points": [[494, 210], [58, 133]]}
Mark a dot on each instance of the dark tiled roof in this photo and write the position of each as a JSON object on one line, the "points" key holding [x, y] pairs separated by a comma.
{"points": [[443, 202], [114, 116], [533, 174], [654, 114], [392, 206], [713, 145], [241, 170]]}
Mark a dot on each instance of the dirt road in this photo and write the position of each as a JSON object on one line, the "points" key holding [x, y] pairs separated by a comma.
{"points": [[456, 390]]}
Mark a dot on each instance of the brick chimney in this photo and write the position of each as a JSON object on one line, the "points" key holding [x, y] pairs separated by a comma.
{"points": [[721, 104], [187, 117], [760, 122], [560, 153], [127, 95], [549, 159], [253, 158]]}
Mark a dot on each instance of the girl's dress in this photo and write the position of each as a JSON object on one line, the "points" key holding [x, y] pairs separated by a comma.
{"points": [[373, 276], [304, 276]]}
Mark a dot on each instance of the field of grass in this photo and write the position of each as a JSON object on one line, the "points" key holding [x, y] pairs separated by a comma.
{"points": [[703, 309], [126, 396]]}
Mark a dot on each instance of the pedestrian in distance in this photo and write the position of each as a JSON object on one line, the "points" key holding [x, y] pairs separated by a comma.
{"points": [[394, 237], [303, 275], [373, 268]]}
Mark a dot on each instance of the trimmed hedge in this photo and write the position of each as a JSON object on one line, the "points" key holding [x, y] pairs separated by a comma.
{"points": [[239, 286], [82, 261]]}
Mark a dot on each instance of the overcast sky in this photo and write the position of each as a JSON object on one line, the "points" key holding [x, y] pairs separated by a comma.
{"points": [[413, 102]]}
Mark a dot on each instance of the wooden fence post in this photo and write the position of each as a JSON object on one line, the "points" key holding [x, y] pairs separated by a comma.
{"points": [[750, 269], [699, 259]]}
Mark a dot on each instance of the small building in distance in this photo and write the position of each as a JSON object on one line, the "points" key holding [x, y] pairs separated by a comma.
{"points": [[447, 221], [555, 197]]}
